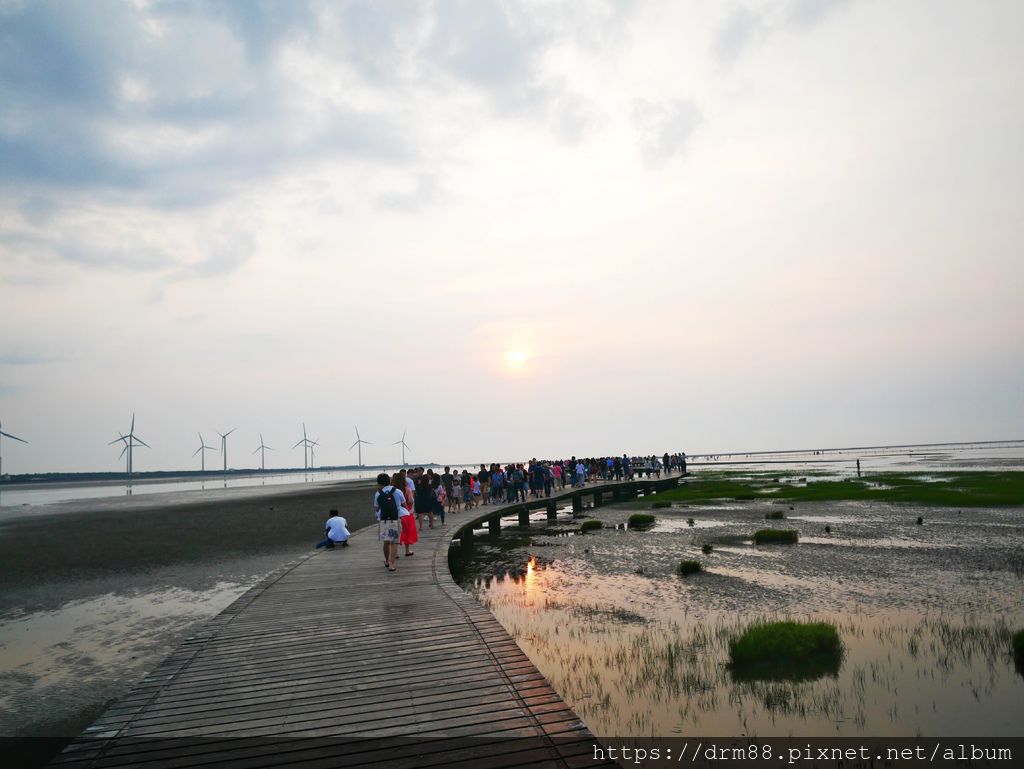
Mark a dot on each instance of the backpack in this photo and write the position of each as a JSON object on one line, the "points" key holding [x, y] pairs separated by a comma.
{"points": [[388, 506]]}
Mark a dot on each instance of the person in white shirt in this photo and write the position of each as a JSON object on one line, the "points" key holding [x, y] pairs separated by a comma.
{"points": [[389, 506], [336, 530]]}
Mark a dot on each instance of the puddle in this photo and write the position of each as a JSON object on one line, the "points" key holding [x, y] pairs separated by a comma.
{"points": [[924, 615]]}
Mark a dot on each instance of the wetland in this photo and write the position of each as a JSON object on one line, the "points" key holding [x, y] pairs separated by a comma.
{"points": [[925, 613]]}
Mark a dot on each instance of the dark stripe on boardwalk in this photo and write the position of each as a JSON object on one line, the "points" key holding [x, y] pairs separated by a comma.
{"points": [[332, 660]]}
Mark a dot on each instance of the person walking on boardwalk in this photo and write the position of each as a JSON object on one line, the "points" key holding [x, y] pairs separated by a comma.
{"points": [[408, 535], [388, 504], [425, 499]]}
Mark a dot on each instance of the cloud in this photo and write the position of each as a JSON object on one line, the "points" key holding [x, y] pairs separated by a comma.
{"points": [[665, 128], [171, 107], [425, 191], [745, 28], [738, 32]]}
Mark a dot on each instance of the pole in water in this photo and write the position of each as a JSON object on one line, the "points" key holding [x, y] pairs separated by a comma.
{"points": [[858, 468]]}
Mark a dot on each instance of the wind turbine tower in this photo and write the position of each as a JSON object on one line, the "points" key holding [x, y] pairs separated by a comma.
{"points": [[203, 448], [224, 447], [306, 444], [403, 444], [13, 438], [262, 448], [129, 440], [359, 442]]}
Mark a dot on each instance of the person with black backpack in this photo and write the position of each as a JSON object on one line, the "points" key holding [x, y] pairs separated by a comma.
{"points": [[389, 503]]}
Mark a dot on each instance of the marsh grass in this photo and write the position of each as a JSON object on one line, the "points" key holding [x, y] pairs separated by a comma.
{"points": [[661, 504], [958, 489], [591, 525], [776, 537], [688, 567], [775, 515], [640, 520], [788, 650], [706, 548]]}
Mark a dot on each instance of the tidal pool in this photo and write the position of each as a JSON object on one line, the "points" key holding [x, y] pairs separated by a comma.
{"points": [[925, 614]]}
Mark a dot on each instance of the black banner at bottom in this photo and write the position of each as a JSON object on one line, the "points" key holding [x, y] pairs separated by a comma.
{"points": [[572, 751]]}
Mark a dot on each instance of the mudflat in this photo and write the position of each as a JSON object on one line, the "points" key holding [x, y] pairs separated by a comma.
{"points": [[96, 593]]}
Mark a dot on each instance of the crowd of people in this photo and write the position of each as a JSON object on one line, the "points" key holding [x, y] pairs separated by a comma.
{"points": [[409, 499]]}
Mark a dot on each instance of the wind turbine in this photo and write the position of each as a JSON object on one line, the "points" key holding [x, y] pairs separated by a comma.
{"points": [[312, 454], [262, 449], [359, 442], [404, 446], [129, 441], [305, 443], [224, 446], [13, 438], [203, 448]]}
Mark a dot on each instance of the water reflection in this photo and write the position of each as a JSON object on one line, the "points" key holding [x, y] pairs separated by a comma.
{"points": [[926, 630]]}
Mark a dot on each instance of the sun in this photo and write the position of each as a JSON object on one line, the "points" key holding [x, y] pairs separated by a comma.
{"points": [[516, 359]]}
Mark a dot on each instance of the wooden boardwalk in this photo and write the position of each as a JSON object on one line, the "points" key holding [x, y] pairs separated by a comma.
{"points": [[334, 661]]}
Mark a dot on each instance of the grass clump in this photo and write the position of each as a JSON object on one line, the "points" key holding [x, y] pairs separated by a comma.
{"points": [[591, 525], [706, 548], [1018, 647], [776, 537], [775, 515], [689, 567], [691, 522], [660, 504], [640, 520], [786, 650]]}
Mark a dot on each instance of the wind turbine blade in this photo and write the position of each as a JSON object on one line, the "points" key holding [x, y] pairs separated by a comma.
{"points": [[133, 424], [299, 443], [397, 443], [13, 437], [353, 446], [230, 431], [139, 440], [123, 451], [368, 443], [257, 449], [122, 438], [197, 451], [358, 436]]}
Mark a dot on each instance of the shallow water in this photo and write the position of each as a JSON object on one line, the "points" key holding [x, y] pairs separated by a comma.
{"points": [[925, 614], [58, 668]]}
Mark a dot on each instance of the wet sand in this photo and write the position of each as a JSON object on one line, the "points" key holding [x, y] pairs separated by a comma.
{"points": [[96, 593]]}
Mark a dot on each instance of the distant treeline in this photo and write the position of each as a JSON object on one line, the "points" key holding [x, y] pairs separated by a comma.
{"points": [[166, 475]]}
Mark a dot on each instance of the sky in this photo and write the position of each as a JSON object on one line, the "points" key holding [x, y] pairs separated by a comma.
{"points": [[512, 229]]}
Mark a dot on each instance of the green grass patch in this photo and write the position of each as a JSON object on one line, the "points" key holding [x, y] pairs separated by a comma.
{"points": [[958, 489], [640, 520], [1018, 646], [775, 515], [661, 504], [591, 525], [786, 650], [689, 567], [776, 537]]}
